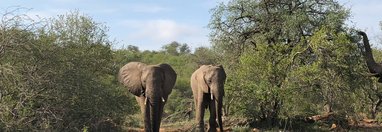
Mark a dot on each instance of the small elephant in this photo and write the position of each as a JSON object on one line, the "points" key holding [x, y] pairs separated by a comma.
{"points": [[151, 85], [207, 85]]}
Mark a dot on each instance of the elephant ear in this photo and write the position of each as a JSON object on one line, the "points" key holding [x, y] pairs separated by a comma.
{"points": [[130, 76], [169, 78], [200, 77]]}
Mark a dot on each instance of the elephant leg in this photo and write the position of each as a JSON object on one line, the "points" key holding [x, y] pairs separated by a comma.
{"points": [[140, 101], [145, 111], [195, 93], [212, 121], [200, 107]]}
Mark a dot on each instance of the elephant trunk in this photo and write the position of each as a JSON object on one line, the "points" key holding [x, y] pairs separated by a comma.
{"points": [[218, 93], [155, 101], [219, 105], [371, 64], [155, 114], [154, 94]]}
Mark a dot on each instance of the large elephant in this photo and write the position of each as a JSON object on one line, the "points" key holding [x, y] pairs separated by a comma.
{"points": [[374, 68], [207, 85], [151, 85]]}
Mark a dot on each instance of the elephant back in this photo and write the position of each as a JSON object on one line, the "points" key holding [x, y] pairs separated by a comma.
{"points": [[130, 76], [170, 78]]}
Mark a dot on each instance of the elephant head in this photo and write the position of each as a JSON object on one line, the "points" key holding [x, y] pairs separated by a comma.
{"points": [[374, 68], [207, 85], [151, 85]]}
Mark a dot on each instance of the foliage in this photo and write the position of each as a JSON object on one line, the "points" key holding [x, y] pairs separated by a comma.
{"points": [[330, 81], [283, 54], [59, 76], [285, 60]]}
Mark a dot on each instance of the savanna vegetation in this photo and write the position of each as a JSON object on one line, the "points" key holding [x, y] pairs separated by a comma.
{"points": [[286, 61]]}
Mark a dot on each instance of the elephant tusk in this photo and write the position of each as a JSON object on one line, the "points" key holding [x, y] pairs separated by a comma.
{"points": [[145, 100], [163, 100], [212, 97]]}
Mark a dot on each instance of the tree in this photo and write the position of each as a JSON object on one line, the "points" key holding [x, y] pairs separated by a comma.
{"points": [[175, 49], [243, 23], [171, 48], [262, 42], [332, 78], [132, 48], [84, 84], [59, 76], [205, 56], [184, 49]]}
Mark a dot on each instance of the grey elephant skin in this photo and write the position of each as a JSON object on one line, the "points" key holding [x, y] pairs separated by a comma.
{"points": [[374, 68], [207, 85], [151, 85]]}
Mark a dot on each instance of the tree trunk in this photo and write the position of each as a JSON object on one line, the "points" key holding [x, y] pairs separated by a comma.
{"points": [[226, 108], [374, 109]]}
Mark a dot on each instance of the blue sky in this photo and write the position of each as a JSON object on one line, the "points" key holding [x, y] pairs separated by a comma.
{"points": [[149, 24]]}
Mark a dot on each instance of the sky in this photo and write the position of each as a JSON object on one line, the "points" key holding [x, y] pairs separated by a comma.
{"points": [[150, 24]]}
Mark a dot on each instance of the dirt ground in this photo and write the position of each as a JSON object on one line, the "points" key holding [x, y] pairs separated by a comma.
{"points": [[172, 129], [364, 127], [240, 124], [229, 129]]}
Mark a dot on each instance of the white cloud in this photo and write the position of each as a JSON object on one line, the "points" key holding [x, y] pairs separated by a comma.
{"points": [[160, 30], [63, 0], [102, 11], [153, 34], [147, 8]]}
